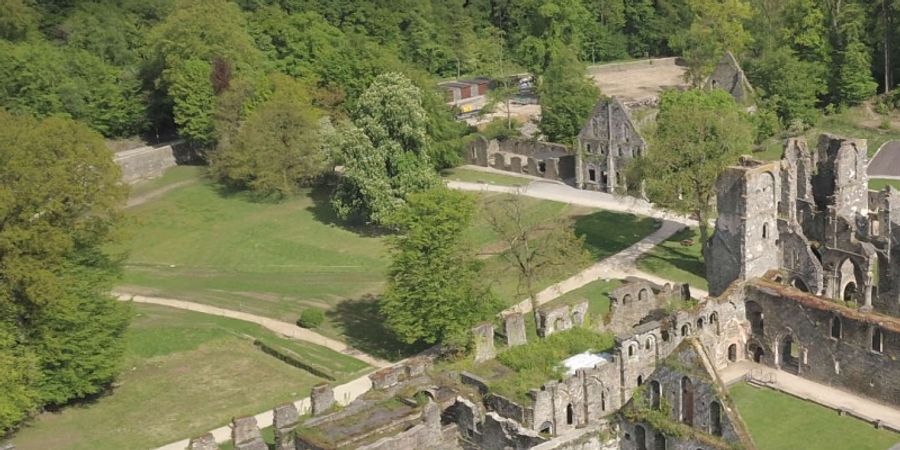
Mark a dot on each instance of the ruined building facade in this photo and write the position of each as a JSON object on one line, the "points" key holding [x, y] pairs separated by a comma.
{"points": [[606, 144]]}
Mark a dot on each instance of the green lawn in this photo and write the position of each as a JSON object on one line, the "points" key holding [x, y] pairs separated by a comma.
{"points": [[184, 374], [595, 292], [778, 421], [476, 176], [878, 184], [171, 176], [677, 262]]}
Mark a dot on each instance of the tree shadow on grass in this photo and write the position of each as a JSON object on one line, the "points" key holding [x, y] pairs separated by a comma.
{"points": [[607, 233], [364, 329], [323, 212]]}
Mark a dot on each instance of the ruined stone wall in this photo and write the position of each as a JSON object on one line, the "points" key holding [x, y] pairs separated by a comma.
{"points": [[847, 361], [601, 437], [150, 162], [536, 158], [428, 434]]}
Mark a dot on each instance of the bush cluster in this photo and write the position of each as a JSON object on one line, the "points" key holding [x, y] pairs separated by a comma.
{"points": [[311, 318], [546, 354]]}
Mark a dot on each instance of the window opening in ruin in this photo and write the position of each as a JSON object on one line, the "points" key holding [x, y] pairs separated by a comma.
{"points": [[765, 231], [588, 147], [849, 292], [642, 295], [836, 328], [542, 166], [604, 178], [648, 344], [640, 380], [714, 319], [715, 419], [592, 175], [640, 438], [700, 323], [546, 428], [755, 317], [685, 330], [877, 340], [603, 401], [659, 442], [559, 324], [799, 285], [732, 352], [687, 401], [665, 336], [626, 299], [757, 353], [655, 392], [570, 414], [631, 350], [790, 353]]}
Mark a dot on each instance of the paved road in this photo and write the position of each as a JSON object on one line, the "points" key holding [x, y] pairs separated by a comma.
{"points": [[283, 328], [886, 162], [857, 406]]}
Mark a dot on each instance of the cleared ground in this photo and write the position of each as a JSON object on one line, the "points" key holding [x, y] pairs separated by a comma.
{"points": [[202, 244], [778, 421], [637, 80], [184, 373], [678, 259]]}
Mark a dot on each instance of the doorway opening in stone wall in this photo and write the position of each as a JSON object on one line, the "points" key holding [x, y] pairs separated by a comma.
{"points": [[790, 354], [732, 352], [756, 352]]}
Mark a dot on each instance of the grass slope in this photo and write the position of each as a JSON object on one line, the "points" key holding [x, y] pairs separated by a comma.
{"points": [[877, 184], [674, 261], [778, 421], [185, 373], [476, 176]]}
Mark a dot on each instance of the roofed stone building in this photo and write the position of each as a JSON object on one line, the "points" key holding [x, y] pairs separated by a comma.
{"points": [[606, 143]]}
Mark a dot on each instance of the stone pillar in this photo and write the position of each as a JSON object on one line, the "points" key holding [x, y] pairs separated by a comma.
{"points": [[205, 442], [499, 161], [552, 169], [515, 329], [515, 164], [321, 398], [481, 156], [245, 434], [284, 419], [484, 342], [533, 167]]}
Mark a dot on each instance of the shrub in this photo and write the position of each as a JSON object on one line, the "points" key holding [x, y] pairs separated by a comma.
{"points": [[311, 318], [498, 129]]}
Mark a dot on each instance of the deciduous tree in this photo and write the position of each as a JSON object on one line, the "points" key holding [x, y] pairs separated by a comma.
{"points": [[567, 97]]}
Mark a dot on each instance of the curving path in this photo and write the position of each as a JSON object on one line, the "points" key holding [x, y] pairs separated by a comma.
{"points": [[286, 329]]}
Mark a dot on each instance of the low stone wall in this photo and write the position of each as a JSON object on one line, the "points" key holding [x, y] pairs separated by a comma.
{"points": [[540, 159], [151, 161]]}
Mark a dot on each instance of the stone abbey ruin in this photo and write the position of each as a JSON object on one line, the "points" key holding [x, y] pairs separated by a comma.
{"points": [[804, 278]]}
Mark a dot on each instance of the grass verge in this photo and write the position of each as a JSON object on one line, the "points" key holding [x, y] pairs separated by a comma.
{"points": [[477, 176], [675, 261]]}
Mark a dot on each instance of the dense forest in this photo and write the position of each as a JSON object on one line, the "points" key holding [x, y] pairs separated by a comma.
{"points": [[258, 85]]}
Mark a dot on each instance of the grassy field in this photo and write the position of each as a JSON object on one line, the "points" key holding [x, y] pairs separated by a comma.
{"points": [[173, 175], [857, 122], [184, 374], [878, 184], [475, 176], [778, 421], [677, 262], [595, 292]]}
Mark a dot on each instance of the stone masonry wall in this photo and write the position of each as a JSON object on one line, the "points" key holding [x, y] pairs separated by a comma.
{"points": [[150, 162]]}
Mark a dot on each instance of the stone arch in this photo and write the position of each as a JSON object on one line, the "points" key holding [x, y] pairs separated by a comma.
{"points": [[631, 349], [655, 394], [768, 185], [789, 352], [626, 299], [849, 279], [700, 323], [714, 322], [765, 230], [570, 414], [546, 427], [659, 442], [837, 327], [640, 437], [732, 352], [559, 324], [650, 343], [754, 314], [799, 284], [643, 295], [756, 352], [685, 330], [686, 413], [715, 418]]}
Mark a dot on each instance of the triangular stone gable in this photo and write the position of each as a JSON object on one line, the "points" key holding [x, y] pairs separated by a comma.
{"points": [[684, 400], [609, 114], [729, 77]]}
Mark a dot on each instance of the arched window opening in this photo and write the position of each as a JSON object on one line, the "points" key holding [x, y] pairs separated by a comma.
{"points": [[603, 401], [626, 299], [757, 352], [765, 231], [685, 330], [700, 323], [631, 350], [546, 428], [655, 393], [659, 442], [849, 292], [714, 321], [836, 327], [643, 295], [877, 340], [732, 352], [559, 324], [790, 354], [640, 380], [687, 401], [665, 336], [755, 317], [715, 419], [640, 438], [648, 344], [570, 414]]}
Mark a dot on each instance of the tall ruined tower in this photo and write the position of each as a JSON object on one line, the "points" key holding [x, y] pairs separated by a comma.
{"points": [[745, 241]]}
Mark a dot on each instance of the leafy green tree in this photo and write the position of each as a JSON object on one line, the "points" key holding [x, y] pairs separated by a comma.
{"points": [[852, 83], [434, 292], [277, 149], [534, 250], [699, 134], [717, 26], [105, 30], [55, 276], [193, 100], [567, 97], [384, 152], [790, 86], [42, 79], [17, 20]]}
